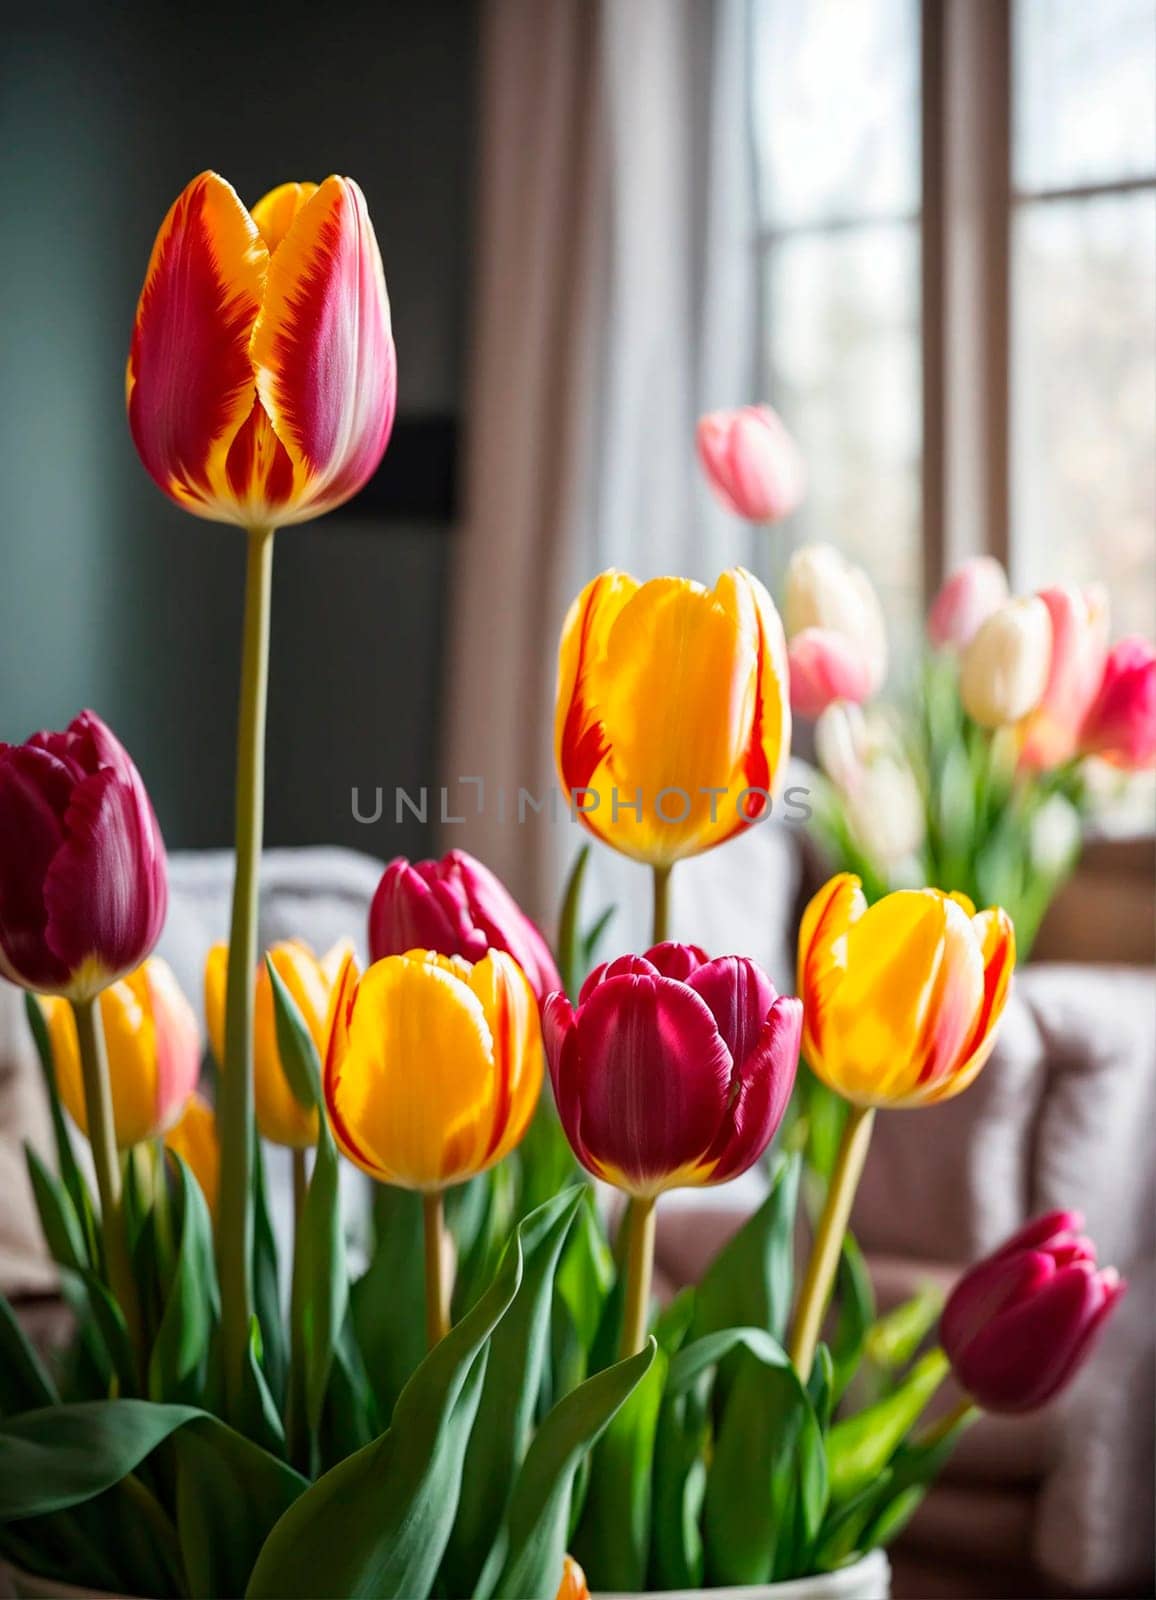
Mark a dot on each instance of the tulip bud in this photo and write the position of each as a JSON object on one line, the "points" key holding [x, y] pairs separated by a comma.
{"points": [[194, 1139], [843, 745], [751, 462], [573, 1584], [281, 1117], [901, 999], [825, 591], [1005, 667], [457, 907], [1120, 726], [826, 667], [672, 1070], [83, 885], [965, 602], [1018, 1324], [154, 1053], [433, 1067], [1050, 734]]}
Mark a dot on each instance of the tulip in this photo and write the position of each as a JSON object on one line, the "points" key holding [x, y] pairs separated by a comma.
{"points": [[573, 1584], [432, 1073], [194, 1139], [1050, 734], [751, 462], [281, 1117], [825, 591], [83, 886], [1019, 1324], [1120, 726], [826, 667], [457, 907], [965, 602], [900, 1000], [1004, 671], [672, 727], [262, 378], [900, 1006], [154, 1053], [881, 799], [672, 1071]]}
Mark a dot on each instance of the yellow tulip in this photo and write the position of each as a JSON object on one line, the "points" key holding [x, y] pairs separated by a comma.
{"points": [[194, 1138], [672, 724], [154, 1052], [433, 1067], [281, 1117], [900, 1000]]}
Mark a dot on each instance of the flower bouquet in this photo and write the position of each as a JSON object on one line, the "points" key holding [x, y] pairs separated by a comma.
{"points": [[492, 1387]]}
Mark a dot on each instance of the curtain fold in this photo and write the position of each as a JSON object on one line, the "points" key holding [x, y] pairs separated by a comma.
{"points": [[615, 301]]}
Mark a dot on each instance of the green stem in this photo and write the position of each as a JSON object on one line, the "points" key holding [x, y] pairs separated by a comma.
{"points": [[437, 1277], [964, 1411], [640, 1220], [106, 1160], [235, 1213], [828, 1245], [300, 1190], [162, 1214], [659, 930]]}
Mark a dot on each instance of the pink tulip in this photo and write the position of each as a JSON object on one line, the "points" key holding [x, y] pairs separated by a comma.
{"points": [[1120, 725], [1019, 1323], [457, 907], [826, 667], [752, 463], [83, 887], [1050, 734], [965, 601], [673, 1070]]}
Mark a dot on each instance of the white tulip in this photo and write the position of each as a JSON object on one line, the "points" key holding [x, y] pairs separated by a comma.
{"points": [[1005, 667], [823, 590]]}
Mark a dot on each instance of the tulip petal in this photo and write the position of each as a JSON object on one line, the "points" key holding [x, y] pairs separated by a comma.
{"points": [[35, 788], [986, 1290], [620, 967], [823, 954], [1042, 1232], [281, 1117], [766, 1078], [560, 1037], [216, 977], [106, 891], [673, 960], [498, 922], [512, 1013], [653, 1080], [997, 942], [580, 742], [826, 666], [190, 382], [740, 997], [276, 212], [322, 349], [176, 1042]]}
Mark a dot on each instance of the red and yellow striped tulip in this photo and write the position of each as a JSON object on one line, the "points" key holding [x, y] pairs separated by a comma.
{"points": [[672, 726], [434, 1066], [900, 1000], [281, 1117], [154, 1052], [262, 378], [194, 1139]]}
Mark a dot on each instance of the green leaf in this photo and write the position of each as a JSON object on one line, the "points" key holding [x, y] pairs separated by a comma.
{"points": [[62, 1229], [855, 1298], [70, 1173], [526, 1562], [377, 1524], [893, 1340], [24, 1382], [680, 1455], [388, 1302], [513, 1376], [545, 1162], [748, 1284], [569, 955], [261, 1418], [229, 1495], [181, 1348], [859, 1447], [613, 1538], [586, 1273], [266, 1285], [488, 1223], [320, 1281], [821, 1386], [295, 1044]]}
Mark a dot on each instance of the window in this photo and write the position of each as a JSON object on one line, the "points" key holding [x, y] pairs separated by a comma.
{"points": [[1010, 149]]}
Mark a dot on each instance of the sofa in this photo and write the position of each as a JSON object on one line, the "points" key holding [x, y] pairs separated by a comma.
{"points": [[1058, 1503]]}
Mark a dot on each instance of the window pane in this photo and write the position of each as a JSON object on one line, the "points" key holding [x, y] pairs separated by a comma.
{"points": [[1085, 91], [835, 101], [1084, 399], [843, 333]]}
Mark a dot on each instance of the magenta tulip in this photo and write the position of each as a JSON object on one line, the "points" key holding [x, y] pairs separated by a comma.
{"points": [[457, 907], [1019, 1323], [1050, 734], [83, 886], [965, 601], [751, 462], [1120, 726], [826, 667], [672, 1070]]}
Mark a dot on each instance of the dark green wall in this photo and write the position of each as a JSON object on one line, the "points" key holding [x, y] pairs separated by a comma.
{"points": [[109, 595]]}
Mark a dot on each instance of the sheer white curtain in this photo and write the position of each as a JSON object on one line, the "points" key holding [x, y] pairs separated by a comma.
{"points": [[615, 301]]}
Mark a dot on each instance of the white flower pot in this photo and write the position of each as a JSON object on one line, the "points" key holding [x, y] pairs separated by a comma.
{"points": [[867, 1579]]}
